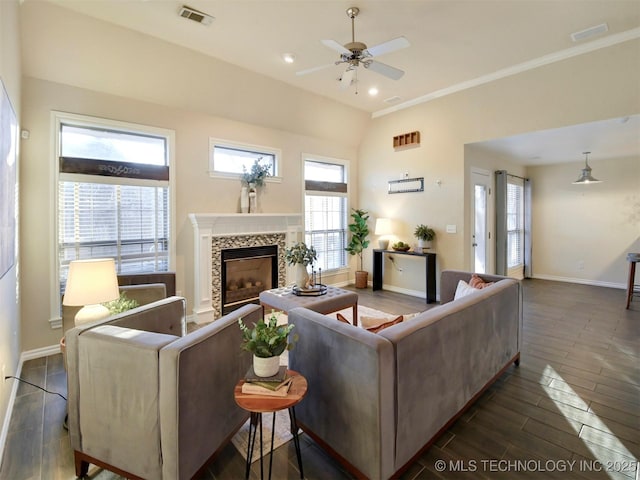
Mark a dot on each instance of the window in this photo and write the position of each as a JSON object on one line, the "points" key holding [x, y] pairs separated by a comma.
{"points": [[515, 223], [228, 159], [113, 194], [326, 211]]}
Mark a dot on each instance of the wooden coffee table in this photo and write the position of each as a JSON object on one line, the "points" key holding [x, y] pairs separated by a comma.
{"points": [[334, 300], [259, 404]]}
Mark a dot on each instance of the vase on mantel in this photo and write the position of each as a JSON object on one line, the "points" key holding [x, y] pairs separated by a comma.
{"points": [[302, 276], [244, 200], [253, 198]]}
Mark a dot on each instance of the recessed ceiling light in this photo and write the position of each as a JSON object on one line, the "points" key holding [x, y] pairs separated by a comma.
{"points": [[373, 91], [289, 57]]}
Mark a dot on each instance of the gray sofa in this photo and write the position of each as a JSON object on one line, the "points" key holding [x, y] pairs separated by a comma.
{"points": [[376, 401], [146, 401]]}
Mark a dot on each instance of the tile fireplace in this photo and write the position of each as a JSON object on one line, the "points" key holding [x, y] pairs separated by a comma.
{"points": [[222, 240]]}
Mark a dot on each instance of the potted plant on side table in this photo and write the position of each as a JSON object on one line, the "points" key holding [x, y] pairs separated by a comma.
{"points": [[266, 341], [301, 256], [359, 241], [425, 235]]}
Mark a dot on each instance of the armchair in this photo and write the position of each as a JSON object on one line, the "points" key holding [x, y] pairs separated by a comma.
{"points": [[145, 402]]}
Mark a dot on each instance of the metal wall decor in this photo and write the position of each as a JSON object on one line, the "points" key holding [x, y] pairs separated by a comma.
{"points": [[406, 185]]}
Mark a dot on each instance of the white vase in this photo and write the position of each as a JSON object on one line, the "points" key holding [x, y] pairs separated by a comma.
{"points": [[424, 244], [302, 276], [253, 198], [244, 200], [266, 367]]}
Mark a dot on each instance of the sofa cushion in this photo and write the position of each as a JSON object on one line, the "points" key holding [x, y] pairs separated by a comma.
{"points": [[479, 283], [463, 289]]}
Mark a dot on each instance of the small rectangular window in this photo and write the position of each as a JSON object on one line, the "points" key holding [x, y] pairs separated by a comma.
{"points": [[231, 159]]}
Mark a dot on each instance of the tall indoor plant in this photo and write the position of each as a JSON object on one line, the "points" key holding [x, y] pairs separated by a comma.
{"points": [[359, 241], [266, 341]]}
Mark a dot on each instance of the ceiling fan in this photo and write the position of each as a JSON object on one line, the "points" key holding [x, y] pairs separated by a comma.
{"points": [[355, 54]]}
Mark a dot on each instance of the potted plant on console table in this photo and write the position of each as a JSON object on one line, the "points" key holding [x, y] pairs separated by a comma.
{"points": [[425, 235], [359, 241], [266, 341]]}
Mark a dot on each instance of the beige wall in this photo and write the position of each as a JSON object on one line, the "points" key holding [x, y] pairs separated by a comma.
{"points": [[594, 86], [9, 293], [109, 72], [582, 233]]}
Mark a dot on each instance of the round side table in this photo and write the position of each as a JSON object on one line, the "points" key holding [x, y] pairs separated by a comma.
{"points": [[259, 404]]}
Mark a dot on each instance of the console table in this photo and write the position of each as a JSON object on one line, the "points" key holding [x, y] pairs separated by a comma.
{"points": [[429, 269]]}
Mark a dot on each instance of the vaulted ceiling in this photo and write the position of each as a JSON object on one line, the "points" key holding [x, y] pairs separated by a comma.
{"points": [[454, 44]]}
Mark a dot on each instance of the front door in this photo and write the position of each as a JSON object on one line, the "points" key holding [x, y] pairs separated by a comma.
{"points": [[480, 191]]}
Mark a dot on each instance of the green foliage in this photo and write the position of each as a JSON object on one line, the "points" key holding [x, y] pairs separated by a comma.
{"points": [[423, 232], [257, 174], [266, 339], [359, 233], [300, 253], [121, 304]]}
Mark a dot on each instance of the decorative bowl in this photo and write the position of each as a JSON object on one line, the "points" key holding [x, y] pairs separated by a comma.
{"points": [[401, 249]]}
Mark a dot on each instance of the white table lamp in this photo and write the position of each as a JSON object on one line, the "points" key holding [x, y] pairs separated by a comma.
{"points": [[383, 228], [90, 283]]}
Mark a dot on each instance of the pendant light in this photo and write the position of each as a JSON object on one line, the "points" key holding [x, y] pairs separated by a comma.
{"points": [[585, 176]]}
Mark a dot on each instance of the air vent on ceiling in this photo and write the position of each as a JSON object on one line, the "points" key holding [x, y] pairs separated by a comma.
{"points": [[394, 99], [589, 32], [195, 15]]}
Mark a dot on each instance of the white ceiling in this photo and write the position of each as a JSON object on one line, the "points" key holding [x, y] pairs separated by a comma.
{"points": [[453, 43]]}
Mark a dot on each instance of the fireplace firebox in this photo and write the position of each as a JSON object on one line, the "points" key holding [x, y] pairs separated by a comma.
{"points": [[246, 272]]}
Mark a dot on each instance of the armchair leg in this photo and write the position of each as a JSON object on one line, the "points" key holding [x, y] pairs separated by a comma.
{"points": [[82, 466]]}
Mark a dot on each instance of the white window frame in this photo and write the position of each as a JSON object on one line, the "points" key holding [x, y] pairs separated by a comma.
{"points": [[59, 118], [516, 270], [276, 152], [346, 164]]}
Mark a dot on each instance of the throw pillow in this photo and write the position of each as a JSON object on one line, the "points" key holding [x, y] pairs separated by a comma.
{"points": [[379, 328], [463, 289], [477, 282], [341, 318]]}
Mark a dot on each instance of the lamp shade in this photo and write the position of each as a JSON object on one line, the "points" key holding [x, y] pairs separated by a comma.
{"points": [[383, 226], [90, 282]]}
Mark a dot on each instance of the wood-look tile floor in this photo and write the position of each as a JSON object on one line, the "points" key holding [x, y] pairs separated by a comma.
{"points": [[570, 410]]}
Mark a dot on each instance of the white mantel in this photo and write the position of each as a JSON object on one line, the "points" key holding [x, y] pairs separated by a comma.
{"points": [[206, 226]]}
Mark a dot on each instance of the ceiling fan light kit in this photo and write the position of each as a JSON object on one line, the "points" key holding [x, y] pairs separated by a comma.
{"points": [[355, 54]]}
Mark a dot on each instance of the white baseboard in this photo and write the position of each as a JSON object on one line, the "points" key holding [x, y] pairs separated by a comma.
{"points": [[581, 281], [7, 417]]}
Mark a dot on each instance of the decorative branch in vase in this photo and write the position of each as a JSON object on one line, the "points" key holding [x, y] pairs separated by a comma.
{"points": [[301, 256], [251, 180]]}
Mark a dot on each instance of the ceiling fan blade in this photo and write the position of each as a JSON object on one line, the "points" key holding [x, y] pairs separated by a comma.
{"points": [[387, 47], [314, 69], [347, 78], [384, 69], [333, 45]]}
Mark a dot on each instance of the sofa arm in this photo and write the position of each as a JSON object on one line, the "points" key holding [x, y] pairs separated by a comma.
{"points": [[198, 376], [350, 400]]}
